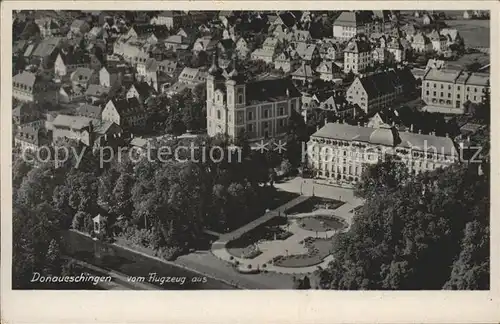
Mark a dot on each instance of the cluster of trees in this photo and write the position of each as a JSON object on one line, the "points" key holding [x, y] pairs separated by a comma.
{"points": [[424, 232], [161, 205], [184, 111]]}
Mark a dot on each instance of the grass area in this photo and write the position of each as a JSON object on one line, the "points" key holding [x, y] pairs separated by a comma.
{"points": [[275, 198], [321, 223], [315, 203], [245, 244], [470, 58], [318, 249], [476, 33]]}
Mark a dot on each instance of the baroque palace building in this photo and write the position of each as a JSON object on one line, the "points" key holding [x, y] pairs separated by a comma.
{"points": [[340, 152], [261, 108]]}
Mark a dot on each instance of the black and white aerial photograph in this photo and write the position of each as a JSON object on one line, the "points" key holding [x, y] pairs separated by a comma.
{"points": [[227, 150]]}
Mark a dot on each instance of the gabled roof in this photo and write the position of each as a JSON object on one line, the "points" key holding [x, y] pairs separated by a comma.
{"points": [[89, 111], [206, 42], [304, 71], [353, 18], [304, 50], [421, 38], [387, 137], [127, 107], [75, 57], [330, 66], [73, 122], [96, 90], [143, 89], [383, 83]]}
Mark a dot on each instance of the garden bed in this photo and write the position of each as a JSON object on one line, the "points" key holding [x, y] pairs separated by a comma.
{"points": [[318, 250], [322, 223], [313, 204]]}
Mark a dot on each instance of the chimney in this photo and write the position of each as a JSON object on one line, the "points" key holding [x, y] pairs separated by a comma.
{"points": [[393, 123], [326, 121], [317, 128], [447, 135], [420, 131], [411, 128]]}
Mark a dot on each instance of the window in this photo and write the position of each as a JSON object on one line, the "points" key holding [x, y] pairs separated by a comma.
{"points": [[475, 98], [218, 114], [449, 87], [250, 127], [250, 115], [240, 99], [475, 89], [434, 85], [281, 111], [427, 93], [434, 93], [266, 113], [458, 95], [458, 87], [449, 95], [442, 86], [265, 124]]}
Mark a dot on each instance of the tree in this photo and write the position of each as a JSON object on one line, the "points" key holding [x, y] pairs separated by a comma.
{"points": [[471, 270], [122, 198], [410, 236], [383, 177]]}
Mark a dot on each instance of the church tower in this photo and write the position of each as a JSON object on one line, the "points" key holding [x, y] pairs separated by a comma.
{"points": [[216, 116], [235, 89]]}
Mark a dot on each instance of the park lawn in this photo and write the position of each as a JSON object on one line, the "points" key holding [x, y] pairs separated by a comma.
{"points": [[318, 250], [321, 223], [470, 58]]}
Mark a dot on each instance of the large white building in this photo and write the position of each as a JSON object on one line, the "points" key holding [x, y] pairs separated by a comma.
{"points": [[446, 91], [340, 152], [260, 108]]}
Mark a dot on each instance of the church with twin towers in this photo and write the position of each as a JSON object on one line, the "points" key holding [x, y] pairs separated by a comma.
{"points": [[260, 108]]}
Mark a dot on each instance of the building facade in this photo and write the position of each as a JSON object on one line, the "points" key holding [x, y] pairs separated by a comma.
{"points": [[260, 108], [447, 91], [341, 152]]}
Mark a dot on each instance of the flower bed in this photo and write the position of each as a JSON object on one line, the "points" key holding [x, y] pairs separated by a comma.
{"points": [[313, 204], [322, 223]]}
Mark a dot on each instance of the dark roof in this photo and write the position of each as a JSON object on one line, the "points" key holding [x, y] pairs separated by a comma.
{"points": [[383, 83], [144, 89], [145, 30], [288, 19], [270, 90], [75, 57], [127, 107]]}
